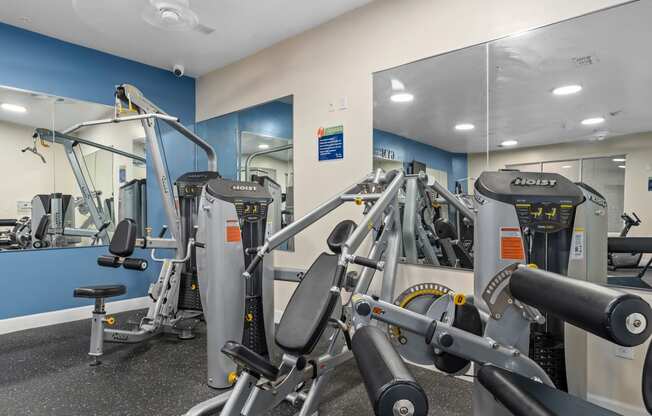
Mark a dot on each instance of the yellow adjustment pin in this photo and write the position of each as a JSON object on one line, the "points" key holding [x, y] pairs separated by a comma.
{"points": [[532, 266], [358, 200], [232, 377], [194, 286], [249, 317], [110, 321], [459, 299]]}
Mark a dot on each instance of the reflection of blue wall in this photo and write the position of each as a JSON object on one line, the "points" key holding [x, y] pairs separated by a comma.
{"points": [[41, 281], [270, 119], [407, 150]]}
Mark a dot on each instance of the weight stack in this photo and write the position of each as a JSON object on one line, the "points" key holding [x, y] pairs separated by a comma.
{"points": [[548, 352], [189, 298]]}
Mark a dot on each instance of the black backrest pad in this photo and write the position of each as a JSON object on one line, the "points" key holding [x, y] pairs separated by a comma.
{"points": [[310, 307], [338, 236], [124, 238]]}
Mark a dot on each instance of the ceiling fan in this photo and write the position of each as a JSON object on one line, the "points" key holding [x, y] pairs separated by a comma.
{"points": [[175, 15]]}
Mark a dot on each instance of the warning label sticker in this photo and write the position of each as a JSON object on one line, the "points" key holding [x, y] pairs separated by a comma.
{"points": [[511, 244], [233, 231], [577, 244]]}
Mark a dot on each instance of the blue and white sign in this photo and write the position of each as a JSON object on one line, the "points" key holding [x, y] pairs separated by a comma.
{"points": [[331, 143]]}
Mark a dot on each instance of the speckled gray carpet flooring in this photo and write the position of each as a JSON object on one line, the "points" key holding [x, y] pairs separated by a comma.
{"points": [[45, 371]]}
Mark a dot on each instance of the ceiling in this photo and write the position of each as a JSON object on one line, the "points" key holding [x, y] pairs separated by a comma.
{"points": [[612, 66], [241, 27], [46, 111], [251, 143]]}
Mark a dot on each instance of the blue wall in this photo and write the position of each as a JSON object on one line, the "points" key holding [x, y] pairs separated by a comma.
{"points": [[271, 119], [41, 281], [406, 150]]}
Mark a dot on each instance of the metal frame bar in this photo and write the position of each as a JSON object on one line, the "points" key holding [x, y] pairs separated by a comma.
{"points": [[252, 156]]}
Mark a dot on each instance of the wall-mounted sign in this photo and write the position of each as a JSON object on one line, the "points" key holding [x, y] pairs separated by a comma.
{"points": [[330, 143]]}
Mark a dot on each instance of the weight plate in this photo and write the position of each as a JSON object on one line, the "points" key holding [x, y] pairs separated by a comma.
{"points": [[418, 298]]}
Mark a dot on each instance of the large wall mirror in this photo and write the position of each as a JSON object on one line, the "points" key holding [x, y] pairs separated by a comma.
{"points": [[570, 98], [255, 145], [68, 186]]}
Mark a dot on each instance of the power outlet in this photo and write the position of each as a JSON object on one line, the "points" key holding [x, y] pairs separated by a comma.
{"points": [[624, 352], [23, 205]]}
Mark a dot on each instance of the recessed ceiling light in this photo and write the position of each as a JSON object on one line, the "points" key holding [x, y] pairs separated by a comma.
{"points": [[464, 127], [263, 146], [508, 143], [13, 107], [402, 97], [619, 159], [593, 121], [170, 15], [567, 90], [397, 85], [566, 167], [621, 166]]}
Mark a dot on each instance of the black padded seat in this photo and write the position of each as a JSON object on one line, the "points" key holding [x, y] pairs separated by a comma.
{"points": [[124, 238], [250, 360], [100, 291], [306, 316], [525, 397]]}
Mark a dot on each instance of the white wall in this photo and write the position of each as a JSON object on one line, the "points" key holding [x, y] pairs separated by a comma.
{"points": [[24, 174], [636, 147]]}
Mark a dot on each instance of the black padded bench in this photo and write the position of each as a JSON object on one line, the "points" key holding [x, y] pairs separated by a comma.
{"points": [[308, 312]]}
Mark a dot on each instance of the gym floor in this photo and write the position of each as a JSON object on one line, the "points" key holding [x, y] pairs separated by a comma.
{"points": [[45, 371]]}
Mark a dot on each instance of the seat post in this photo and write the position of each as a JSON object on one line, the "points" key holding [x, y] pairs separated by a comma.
{"points": [[97, 332]]}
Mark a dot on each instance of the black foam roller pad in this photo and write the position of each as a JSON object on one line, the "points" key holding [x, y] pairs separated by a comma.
{"points": [[108, 261], [387, 379], [135, 264], [603, 311]]}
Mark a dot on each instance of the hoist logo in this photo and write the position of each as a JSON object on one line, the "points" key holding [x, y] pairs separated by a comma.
{"points": [[243, 187], [534, 182]]}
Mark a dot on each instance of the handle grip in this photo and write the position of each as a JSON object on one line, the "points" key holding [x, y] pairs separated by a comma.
{"points": [[252, 266], [135, 264], [164, 230], [8, 222], [391, 388], [622, 318], [367, 262], [251, 251]]}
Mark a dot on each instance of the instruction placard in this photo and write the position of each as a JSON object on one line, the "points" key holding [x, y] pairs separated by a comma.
{"points": [[330, 143], [577, 244], [233, 234], [511, 244]]}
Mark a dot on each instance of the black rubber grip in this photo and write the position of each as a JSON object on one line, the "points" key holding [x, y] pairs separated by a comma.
{"points": [[389, 383], [251, 251], [108, 261], [366, 262], [509, 394], [135, 264], [254, 263], [600, 310], [163, 231], [7, 223]]}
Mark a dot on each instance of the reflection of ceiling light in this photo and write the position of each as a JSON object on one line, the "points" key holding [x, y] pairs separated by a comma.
{"points": [[566, 167], [263, 146], [593, 121], [397, 85], [13, 107], [621, 166], [567, 90], [619, 159], [508, 143], [464, 127], [402, 97]]}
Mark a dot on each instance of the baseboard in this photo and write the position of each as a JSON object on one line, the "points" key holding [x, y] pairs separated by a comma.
{"points": [[624, 409], [37, 320]]}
